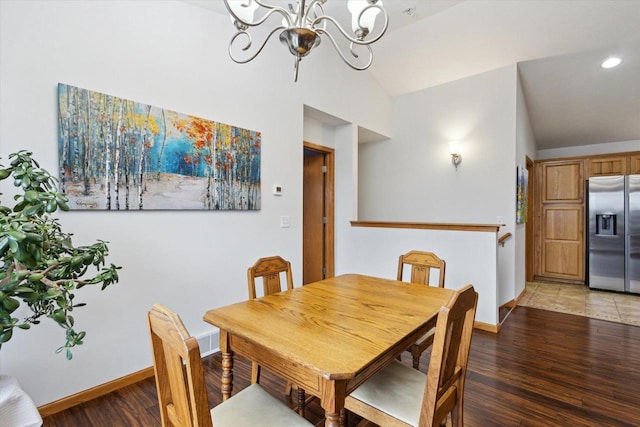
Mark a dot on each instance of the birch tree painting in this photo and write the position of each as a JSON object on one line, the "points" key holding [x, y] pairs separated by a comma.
{"points": [[117, 154]]}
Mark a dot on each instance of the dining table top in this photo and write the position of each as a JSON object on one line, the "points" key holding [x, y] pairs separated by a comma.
{"points": [[336, 327]]}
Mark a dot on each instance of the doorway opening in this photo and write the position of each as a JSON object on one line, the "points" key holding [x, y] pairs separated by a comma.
{"points": [[318, 213]]}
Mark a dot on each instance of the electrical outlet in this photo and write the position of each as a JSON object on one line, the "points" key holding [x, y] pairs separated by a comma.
{"points": [[285, 221]]}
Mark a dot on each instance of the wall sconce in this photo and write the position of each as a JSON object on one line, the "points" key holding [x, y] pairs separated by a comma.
{"points": [[456, 156]]}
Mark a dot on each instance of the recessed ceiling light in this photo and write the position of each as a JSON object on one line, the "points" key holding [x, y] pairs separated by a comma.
{"points": [[611, 62]]}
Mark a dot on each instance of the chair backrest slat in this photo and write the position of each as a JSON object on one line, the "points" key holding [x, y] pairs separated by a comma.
{"points": [[269, 269], [421, 264]]}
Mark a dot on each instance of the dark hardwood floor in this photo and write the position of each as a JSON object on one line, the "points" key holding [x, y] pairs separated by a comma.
{"points": [[543, 369]]}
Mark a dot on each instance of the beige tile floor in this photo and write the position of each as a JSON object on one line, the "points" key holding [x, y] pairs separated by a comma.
{"points": [[580, 300]]}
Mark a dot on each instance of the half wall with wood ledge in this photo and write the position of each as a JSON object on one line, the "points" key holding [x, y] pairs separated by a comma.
{"points": [[470, 251]]}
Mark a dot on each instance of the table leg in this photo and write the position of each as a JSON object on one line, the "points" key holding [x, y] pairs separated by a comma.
{"points": [[302, 400], [332, 419], [333, 395], [227, 375]]}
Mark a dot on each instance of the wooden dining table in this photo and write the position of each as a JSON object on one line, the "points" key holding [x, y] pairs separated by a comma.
{"points": [[327, 337]]}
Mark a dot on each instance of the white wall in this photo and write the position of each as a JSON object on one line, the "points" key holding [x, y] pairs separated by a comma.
{"points": [[410, 177], [525, 147], [590, 150], [318, 133], [172, 55], [471, 258]]}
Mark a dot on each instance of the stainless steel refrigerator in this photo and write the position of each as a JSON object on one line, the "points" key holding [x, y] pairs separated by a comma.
{"points": [[613, 241]]}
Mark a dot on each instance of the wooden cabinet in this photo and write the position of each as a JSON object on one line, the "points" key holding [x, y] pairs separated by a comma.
{"points": [[634, 166], [563, 243], [608, 166], [561, 219], [562, 181]]}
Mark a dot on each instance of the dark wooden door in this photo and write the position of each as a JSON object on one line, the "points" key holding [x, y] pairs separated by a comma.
{"points": [[313, 217]]}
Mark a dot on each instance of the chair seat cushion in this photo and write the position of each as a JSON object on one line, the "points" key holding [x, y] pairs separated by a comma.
{"points": [[254, 406], [396, 390]]}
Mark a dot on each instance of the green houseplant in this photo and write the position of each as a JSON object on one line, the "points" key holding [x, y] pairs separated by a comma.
{"points": [[40, 266]]}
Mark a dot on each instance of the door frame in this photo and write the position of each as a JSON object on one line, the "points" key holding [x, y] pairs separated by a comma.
{"points": [[329, 205], [530, 224]]}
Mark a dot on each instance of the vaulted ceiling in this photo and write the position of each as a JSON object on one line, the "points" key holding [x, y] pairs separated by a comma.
{"points": [[558, 46]]}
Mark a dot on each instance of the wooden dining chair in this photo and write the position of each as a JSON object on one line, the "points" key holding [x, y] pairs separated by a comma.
{"points": [[270, 269], [181, 387], [421, 264], [401, 396]]}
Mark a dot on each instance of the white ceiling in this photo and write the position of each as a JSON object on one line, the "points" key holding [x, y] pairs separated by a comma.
{"points": [[557, 44]]}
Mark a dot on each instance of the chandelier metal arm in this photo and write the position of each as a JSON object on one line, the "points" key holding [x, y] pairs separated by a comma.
{"points": [[342, 55], [315, 4], [248, 45], [273, 9], [344, 33]]}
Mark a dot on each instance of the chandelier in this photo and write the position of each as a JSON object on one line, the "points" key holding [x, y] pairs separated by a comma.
{"points": [[302, 26]]}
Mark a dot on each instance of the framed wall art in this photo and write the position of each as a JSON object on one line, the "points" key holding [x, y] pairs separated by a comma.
{"points": [[118, 154], [522, 190]]}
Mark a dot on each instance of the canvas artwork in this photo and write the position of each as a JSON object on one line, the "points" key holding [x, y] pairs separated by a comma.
{"points": [[522, 189], [118, 154]]}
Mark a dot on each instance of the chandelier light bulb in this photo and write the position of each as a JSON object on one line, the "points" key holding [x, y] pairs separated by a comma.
{"points": [[244, 9], [363, 19]]}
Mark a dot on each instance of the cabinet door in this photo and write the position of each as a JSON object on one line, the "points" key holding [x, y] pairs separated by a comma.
{"points": [[608, 166], [563, 181], [563, 242], [634, 167]]}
